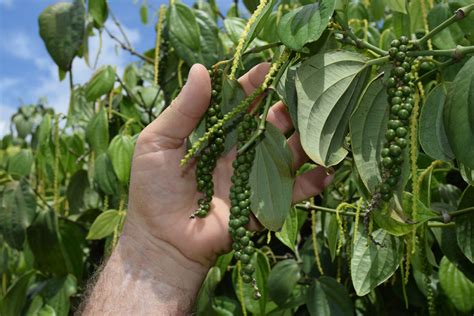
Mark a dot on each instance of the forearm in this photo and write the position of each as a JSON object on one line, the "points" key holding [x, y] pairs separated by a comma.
{"points": [[139, 280]]}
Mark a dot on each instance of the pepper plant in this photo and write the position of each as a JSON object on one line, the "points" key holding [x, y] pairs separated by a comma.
{"points": [[381, 93]]}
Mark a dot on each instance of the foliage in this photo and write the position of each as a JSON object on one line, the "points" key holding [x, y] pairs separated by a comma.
{"points": [[64, 178]]}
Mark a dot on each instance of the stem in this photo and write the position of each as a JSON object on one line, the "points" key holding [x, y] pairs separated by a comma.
{"points": [[460, 14], [119, 26], [128, 48], [378, 61], [438, 68], [456, 53], [326, 209], [255, 50], [261, 125], [359, 43], [71, 81]]}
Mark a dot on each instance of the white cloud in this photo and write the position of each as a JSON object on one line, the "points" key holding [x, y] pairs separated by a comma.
{"points": [[6, 113]]}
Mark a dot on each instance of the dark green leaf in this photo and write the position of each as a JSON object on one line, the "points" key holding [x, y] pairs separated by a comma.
{"points": [[209, 38], [120, 152], [467, 174], [104, 175], [44, 241], [73, 242], [368, 124], [305, 24], [14, 300], [465, 225], [432, 135], [271, 179], [397, 5], [61, 27], [328, 88], [56, 293], [101, 83], [97, 132], [458, 288], [99, 11], [371, 264], [206, 293], [183, 28], [327, 297], [286, 89], [17, 211], [458, 114], [450, 36], [104, 224], [282, 280], [78, 184]]}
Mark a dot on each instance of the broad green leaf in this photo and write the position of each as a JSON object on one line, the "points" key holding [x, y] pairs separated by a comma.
{"points": [[327, 297], [206, 293], [251, 5], [368, 124], [120, 152], [282, 280], [61, 27], [234, 27], [332, 233], [104, 224], [44, 241], [397, 5], [232, 94], [286, 89], [259, 23], [15, 298], [328, 87], [150, 96], [458, 114], [455, 285], [97, 132], [76, 189], [432, 133], [288, 233], [104, 175], [396, 223], [386, 38], [73, 243], [415, 11], [17, 211], [400, 23], [305, 24], [271, 180], [130, 76], [99, 11], [183, 28], [19, 165], [56, 293], [225, 306], [211, 48], [23, 125], [450, 36], [371, 264], [101, 83]]}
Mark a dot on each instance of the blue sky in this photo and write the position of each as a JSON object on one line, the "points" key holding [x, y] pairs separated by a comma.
{"points": [[28, 73]]}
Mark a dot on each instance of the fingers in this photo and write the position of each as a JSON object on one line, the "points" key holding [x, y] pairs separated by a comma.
{"points": [[254, 77], [181, 117], [310, 184], [280, 118]]}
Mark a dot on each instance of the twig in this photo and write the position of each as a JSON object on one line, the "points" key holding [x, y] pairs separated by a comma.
{"points": [[460, 14], [119, 26], [456, 53], [128, 48]]}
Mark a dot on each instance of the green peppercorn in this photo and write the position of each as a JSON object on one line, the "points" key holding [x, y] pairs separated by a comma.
{"points": [[385, 188], [395, 150], [385, 152], [390, 134], [401, 131], [402, 142], [403, 114], [403, 40], [399, 71], [391, 82], [244, 258], [395, 43], [387, 162], [396, 171], [394, 124], [392, 51], [386, 197]]}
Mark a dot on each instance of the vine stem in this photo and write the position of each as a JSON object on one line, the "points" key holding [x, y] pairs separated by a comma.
{"points": [[460, 14], [128, 48], [457, 53], [255, 50]]}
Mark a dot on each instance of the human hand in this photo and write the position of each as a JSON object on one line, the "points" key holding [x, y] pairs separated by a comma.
{"points": [[163, 194]]}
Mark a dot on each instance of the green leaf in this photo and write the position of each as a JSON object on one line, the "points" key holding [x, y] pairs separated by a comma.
{"points": [[234, 26], [104, 224], [368, 124], [396, 223], [14, 300], [327, 297], [397, 5], [282, 280], [61, 27], [17, 211], [328, 88], [105, 176], [467, 173], [73, 243], [120, 152], [76, 189], [465, 224], [458, 114], [271, 180], [288, 233], [305, 24], [56, 293], [206, 293], [183, 27], [286, 90], [232, 94], [455, 285], [19, 165], [144, 13], [211, 47], [101, 83], [332, 235], [99, 11], [97, 132], [432, 135], [371, 264], [45, 244]]}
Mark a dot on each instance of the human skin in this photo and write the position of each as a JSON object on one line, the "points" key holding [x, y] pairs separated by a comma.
{"points": [[163, 256]]}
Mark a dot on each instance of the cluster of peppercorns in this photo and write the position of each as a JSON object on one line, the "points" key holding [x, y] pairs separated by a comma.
{"points": [[208, 159], [164, 51], [240, 192], [400, 97]]}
